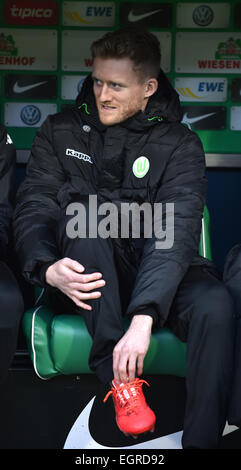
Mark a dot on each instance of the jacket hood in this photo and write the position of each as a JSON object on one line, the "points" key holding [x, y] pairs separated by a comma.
{"points": [[163, 105], [165, 101]]}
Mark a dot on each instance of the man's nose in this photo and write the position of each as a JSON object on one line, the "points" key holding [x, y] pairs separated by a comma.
{"points": [[105, 94]]}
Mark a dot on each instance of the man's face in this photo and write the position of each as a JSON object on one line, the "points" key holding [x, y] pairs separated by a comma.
{"points": [[118, 92]]}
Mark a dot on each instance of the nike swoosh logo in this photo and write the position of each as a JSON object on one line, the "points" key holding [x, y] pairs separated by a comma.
{"points": [[132, 18], [22, 89], [188, 120], [79, 436]]}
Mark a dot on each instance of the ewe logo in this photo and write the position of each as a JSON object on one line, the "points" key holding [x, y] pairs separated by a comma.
{"points": [[205, 89], [84, 14], [140, 167], [30, 115]]}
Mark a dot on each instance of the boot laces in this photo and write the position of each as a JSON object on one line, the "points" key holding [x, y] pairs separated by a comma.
{"points": [[128, 395]]}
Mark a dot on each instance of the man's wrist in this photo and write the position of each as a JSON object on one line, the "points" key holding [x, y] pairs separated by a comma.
{"points": [[146, 311], [145, 320], [48, 275]]}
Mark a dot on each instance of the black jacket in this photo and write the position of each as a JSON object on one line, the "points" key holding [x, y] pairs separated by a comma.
{"points": [[57, 176], [7, 168]]}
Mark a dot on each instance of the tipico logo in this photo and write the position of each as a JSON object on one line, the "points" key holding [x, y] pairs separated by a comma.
{"points": [[140, 167]]}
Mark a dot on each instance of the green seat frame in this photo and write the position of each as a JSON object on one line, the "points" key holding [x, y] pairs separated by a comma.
{"points": [[60, 344]]}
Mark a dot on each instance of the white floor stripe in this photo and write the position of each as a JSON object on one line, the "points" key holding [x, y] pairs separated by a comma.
{"points": [[79, 436]]}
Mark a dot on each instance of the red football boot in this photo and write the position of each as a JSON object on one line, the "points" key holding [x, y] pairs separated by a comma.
{"points": [[133, 415]]}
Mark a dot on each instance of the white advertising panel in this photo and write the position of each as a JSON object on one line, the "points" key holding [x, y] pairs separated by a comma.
{"points": [[76, 55], [235, 120], [71, 86], [87, 14], [28, 49], [199, 15], [165, 40], [27, 114], [201, 89], [208, 53]]}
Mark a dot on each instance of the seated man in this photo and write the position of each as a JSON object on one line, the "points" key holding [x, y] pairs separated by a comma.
{"points": [[232, 279], [10, 296], [123, 143]]}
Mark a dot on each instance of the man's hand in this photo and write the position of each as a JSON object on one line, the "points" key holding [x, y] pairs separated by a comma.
{"points": [[130, 351], [66, 275]]}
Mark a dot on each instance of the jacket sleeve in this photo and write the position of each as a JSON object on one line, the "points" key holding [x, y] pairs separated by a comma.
{"points": [[7, 169], [37, 210], [162, 269]]}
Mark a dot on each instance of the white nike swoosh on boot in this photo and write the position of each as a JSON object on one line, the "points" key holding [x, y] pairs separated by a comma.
{"points": [[132, 18], [20, 89]]}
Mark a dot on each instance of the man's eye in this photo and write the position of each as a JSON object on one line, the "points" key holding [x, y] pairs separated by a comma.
{"points": [[115, 85], [97, 82]]}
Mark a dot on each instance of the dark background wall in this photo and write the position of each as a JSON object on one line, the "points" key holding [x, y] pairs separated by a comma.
{"points": [[224, 203]]}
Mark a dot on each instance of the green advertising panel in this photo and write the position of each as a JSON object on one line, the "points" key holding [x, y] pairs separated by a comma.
{"points": [[45, 56]]}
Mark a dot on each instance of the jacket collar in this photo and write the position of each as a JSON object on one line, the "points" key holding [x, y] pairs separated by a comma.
{"points": [[164, 105]]}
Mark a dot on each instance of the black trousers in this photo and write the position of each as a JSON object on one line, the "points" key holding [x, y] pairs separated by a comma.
{"points": [[232, 279], [201, 315], [12, 307]]}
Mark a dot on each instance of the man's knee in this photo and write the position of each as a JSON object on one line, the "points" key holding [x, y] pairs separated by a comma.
{"points": [[215, 307], [91, 251]]}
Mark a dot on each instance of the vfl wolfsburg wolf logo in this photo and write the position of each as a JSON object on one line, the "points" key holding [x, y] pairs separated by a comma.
{"points": [[140, 167]]}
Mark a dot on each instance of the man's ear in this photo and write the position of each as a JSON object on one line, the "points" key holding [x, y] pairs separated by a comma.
{"points": [[151, 87]]}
